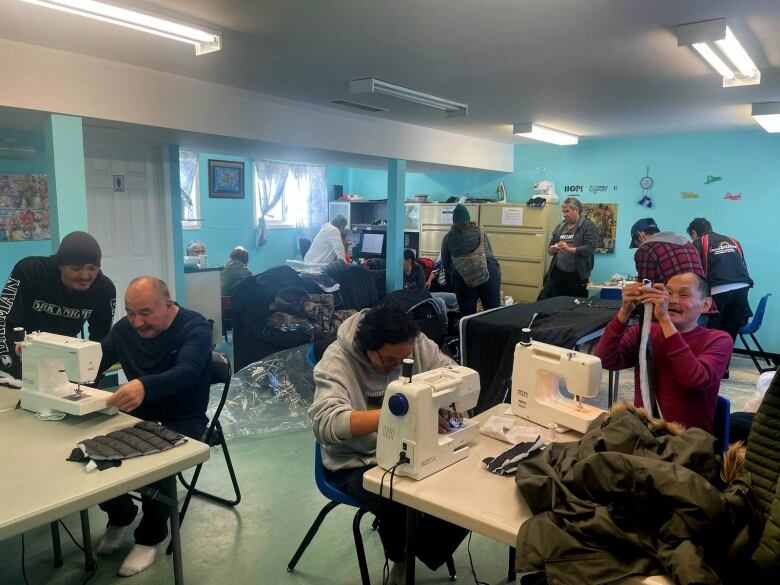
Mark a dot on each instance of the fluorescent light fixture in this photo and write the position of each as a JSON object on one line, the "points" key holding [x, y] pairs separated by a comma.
{"points": [[714, 40], [544, 134], [373, 85], [205, 41], [768, 115], [716, 62]]}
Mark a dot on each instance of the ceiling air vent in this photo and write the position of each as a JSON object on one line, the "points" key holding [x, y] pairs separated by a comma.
{"points": [[357, 106]]}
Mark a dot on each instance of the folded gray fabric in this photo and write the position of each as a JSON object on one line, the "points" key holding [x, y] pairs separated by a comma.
{"points": [[143, 438]]}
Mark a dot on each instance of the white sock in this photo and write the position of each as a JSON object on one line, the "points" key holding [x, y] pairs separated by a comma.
{"points": [[111, 540], [398, 573], [138, 559]]}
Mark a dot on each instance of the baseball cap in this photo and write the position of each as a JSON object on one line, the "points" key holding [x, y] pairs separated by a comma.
{"points": [[641, 225]]}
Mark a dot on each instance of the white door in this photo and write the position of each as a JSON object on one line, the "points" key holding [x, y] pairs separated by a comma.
{"points": [[128, 211]]}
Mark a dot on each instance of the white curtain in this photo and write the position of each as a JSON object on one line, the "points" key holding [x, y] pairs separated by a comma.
{"points": [[188, 165], [311, 208], [271, 180]]}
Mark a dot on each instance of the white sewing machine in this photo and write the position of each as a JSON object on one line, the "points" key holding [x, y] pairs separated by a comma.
{"points": [[546, 190], [49, 362], [536, 373], [409, 420]]}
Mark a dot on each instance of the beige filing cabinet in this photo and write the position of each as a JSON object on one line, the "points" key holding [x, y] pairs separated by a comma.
{"points": [[435, 222], [519, 237]]}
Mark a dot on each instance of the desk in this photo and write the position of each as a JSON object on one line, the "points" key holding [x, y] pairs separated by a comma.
{"points": [[488, 339], [497, 512], [32, 498]]}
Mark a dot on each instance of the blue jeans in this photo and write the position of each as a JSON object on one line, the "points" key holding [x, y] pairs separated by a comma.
{"points": [[450, 300]]}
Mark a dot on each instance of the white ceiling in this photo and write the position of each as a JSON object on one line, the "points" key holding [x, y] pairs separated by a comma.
{"points": [[597, 68]]}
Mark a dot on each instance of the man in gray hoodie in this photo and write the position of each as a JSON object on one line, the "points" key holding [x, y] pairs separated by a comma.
{"points": [[351, 379]]}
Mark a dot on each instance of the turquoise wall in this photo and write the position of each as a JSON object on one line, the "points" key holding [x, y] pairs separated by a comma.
{"points": [[12, 252], [746, 162], [372, 183], [67, 180], [228, 223]]}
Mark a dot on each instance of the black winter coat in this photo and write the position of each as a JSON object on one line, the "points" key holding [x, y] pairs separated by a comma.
{"points": [[634, 497]]}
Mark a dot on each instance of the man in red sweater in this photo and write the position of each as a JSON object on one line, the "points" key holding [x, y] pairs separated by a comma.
{"points": [[688, 360]]}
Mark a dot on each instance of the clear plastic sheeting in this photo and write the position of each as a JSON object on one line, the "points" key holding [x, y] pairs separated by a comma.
{"points": [[270, 396]]}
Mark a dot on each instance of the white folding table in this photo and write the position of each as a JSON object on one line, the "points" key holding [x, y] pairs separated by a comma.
{"points": [[467, 495], [40, 486]]}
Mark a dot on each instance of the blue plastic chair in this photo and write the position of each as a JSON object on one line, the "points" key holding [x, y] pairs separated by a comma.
{"points": [[720, 426], [335, 497], [750, 329]]}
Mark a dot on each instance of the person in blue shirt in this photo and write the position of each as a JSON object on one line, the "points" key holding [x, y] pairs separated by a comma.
{"points": [[165, 352]]}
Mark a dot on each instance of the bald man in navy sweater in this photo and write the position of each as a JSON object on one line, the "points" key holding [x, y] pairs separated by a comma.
{"points": [[165, 352]]}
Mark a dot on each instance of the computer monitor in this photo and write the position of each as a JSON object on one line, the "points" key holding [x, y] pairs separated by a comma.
{"points": [[372, 245]]}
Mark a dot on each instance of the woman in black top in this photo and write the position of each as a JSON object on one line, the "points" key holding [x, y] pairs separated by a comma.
{"points": [[462, 240], [414, 276]]}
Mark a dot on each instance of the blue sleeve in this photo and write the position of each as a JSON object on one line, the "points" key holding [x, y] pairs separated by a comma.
{"points": [[191, 362]]}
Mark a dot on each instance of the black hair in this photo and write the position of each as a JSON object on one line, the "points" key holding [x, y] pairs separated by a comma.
{"points": [[239, 253], [700, 225], [383, 325], [650, 230], [409, 255]]}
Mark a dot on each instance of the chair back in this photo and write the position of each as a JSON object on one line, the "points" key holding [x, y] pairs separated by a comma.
{"points": [[720, 426], [758, 317], [304, 244], [323, 481], [220, 374]]}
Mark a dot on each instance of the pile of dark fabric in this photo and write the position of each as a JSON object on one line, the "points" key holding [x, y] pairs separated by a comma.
{"points": [[143, 438], [636, 496], [296, 310]]}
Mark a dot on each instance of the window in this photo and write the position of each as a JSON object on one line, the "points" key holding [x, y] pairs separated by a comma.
{"points": [[295, 194], [190, 192]]}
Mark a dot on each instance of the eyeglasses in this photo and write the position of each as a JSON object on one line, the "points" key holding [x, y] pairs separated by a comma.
{"points": [[390, 362]]}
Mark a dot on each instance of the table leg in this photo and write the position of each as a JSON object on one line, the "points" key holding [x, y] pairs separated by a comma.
{"points": [[411, 541], [55, 544], [86, 537], [178, 573], [611, 378], [511, 575]]}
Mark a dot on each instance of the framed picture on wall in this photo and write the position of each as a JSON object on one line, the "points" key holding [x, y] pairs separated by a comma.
{"points": [[226, 179], [604, 215]]}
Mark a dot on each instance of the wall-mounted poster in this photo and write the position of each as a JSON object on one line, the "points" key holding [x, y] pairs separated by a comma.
{"points": [[604, 215], [24, 207]]}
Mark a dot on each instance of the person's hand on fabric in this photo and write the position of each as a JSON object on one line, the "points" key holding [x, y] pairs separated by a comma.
{"points": [[659, 298], [128, 397], [18, 349], [444, 426], [567, 248], [429, 282]]}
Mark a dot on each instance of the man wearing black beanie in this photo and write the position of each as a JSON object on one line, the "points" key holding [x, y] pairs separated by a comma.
{"points": [[56, 294]]}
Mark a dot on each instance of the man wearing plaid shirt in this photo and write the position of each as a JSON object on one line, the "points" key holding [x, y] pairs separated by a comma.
{"points": [[661, 255]]}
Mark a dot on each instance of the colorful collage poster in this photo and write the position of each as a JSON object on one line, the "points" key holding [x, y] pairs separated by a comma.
{"points": [[24, 207]]}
